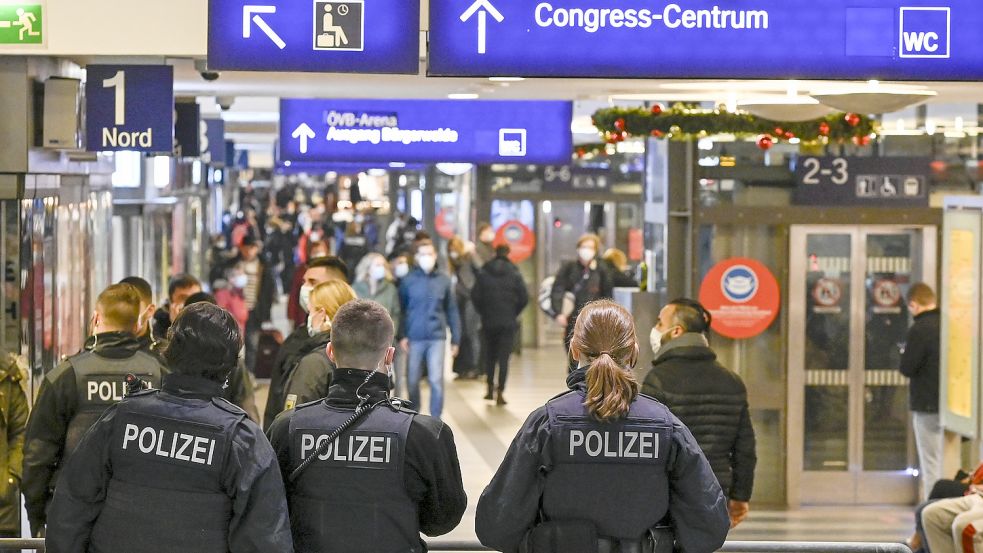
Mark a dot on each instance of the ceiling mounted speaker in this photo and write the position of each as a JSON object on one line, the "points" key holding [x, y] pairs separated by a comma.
{"points": [[875, 101], [792, 112]]}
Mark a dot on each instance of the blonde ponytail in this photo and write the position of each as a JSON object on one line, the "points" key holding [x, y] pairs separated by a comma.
{"points": [[605, 335]]}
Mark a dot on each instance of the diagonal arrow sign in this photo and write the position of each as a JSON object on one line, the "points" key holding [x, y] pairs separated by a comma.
{"points": [[250, 15], [483, 8], [304, 133]]}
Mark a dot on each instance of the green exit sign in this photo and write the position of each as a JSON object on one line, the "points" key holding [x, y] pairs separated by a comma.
{"points": [[21, 24]]}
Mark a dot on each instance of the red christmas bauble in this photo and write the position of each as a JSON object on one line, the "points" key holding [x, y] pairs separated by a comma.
{"points": [[824, 128], [779, 131], [852, 119], [581, 153], [657, 109], [657, 133], [789, 135], [619, 124], [765, 142], [861, 140]]}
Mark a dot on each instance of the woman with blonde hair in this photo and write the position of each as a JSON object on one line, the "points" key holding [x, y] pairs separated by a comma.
{"points": [[310, 378], [601, 466]]}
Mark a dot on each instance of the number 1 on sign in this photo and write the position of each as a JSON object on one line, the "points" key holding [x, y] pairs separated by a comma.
{"points": [[118, 82]]}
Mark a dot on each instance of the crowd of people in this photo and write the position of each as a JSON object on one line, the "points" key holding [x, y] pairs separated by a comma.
{"points": [[153, 427]]}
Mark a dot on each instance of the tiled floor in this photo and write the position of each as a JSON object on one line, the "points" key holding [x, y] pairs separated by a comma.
{"points": [[483, 432]]}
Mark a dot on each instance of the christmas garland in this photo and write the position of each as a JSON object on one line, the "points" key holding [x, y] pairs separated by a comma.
{"points": [[685, 122]]}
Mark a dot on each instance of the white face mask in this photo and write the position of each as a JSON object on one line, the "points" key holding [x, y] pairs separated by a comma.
{"points": [[305, 297], [426, 262], [377, 272], [240, 281], [586, 254], [311, 328], [658, 339], [401, 270]]}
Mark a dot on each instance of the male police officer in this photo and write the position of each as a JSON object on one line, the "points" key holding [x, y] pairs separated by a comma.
{"points": [[74, 394], [319, 270], [177, 469], [379, 484]]}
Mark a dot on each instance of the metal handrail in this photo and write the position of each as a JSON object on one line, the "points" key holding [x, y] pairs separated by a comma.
{"points": [[36, 544], [733, 547]]}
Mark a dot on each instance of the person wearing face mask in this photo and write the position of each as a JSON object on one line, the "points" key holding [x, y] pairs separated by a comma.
{"points": [[374, 281], [321, 269], [77, 391], [404, 482], [401, 267], [178, 290], [230, 295], [429, 308], [295, 311], [710, 399], [145, 328], [467, 364], [353, 244], [311, 377], [586, 279]]}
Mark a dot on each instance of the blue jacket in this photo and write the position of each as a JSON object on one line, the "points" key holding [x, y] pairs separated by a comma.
{"points": [[428, 307]]}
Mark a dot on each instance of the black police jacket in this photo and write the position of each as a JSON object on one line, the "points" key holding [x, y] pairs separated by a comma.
{"points": [[624, 476], [177, 469], [428, 472], [71, 399]]}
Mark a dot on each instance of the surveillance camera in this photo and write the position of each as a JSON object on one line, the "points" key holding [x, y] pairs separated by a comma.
{"points": [[225, 102], [202, 67]]}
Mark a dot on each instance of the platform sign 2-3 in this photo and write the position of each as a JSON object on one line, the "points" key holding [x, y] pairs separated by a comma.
{"points": [[21, 23], [885, 181], [129, 107]]}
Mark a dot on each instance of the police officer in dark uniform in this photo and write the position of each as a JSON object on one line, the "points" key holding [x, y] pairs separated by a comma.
{"points": [[177, 469], [75, 394], [384, 478], [601, 468]]}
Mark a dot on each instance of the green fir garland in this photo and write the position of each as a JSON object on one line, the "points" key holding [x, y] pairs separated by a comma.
{"points": [[685, 122]]}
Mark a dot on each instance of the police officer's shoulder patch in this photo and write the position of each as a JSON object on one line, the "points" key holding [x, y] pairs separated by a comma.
{"points": [[227, 405], [303, 405]]}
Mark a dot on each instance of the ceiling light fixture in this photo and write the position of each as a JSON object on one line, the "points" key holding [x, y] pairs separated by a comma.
{"points": [[463, 96], [506, 79]]}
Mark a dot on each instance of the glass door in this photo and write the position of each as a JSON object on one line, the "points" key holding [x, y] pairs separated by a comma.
{"points": [[849, 439]]}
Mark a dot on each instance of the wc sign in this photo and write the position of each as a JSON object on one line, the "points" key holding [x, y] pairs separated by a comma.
{"points": [[925, 33]]}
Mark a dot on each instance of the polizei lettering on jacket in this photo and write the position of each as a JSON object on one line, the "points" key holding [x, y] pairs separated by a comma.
{"points": [[170, 444], [615, 445], [377, 450], [98, 390]]}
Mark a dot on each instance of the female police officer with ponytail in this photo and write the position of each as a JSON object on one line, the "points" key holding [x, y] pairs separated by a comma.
{"points": [[601, 468]]}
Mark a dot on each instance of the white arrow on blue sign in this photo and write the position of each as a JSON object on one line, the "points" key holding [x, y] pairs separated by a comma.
{"points": [[483, 8]]}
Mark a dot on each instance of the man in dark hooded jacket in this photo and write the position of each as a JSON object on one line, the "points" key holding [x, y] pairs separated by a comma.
{"points": [[710, 399], [499, 296]]}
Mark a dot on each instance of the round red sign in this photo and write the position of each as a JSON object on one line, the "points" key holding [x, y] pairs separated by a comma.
{"points": [[519, 238], [743, 297]]}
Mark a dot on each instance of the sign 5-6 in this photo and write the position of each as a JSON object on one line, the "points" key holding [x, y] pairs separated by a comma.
{"points": [[837, 172]]}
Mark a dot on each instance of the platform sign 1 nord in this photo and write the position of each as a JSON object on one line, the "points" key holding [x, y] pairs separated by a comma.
{"points": [[129, 107], [361, 36], [773, 39]]}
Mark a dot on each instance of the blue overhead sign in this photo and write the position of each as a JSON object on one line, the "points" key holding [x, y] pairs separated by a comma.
{"points": [[129, 107], [806, 39], [356, 36], [425, 131]]}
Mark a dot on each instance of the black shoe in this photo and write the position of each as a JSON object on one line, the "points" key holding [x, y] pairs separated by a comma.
{"points": [[491, 393], [500, 400]]}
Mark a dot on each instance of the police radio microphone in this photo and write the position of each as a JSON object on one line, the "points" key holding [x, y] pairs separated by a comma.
{"points": [[134, 384]]}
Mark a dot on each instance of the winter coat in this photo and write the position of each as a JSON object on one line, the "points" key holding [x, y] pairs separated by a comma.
{"points": [[920, 362], [428, 307], [386, 294], [500, 294], [14, 411], [712, 402]]}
